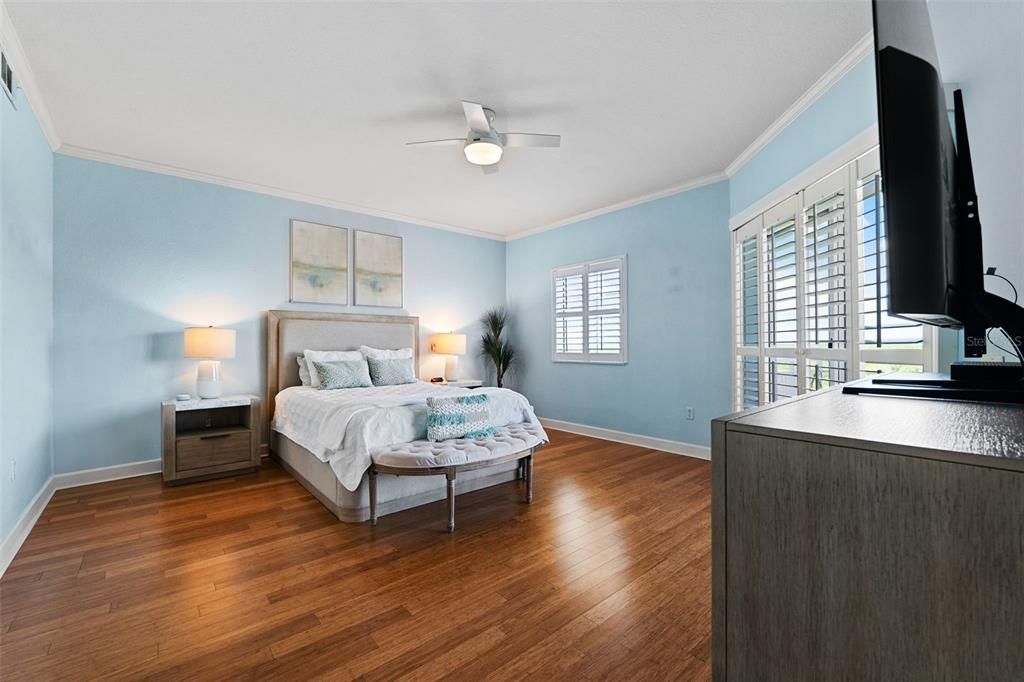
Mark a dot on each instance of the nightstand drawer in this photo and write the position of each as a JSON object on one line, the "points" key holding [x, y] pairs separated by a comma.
{"points": [[215, 449]]}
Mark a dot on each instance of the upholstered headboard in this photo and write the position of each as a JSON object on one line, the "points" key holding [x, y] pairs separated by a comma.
{"points": [[289, 332]]}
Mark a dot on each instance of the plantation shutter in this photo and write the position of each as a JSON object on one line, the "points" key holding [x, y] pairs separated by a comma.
{"points": [[780, 283], [811, 288], [590, 312], [827, 325], [747, 331], [605, 311], [824, 229], [569, 313]]}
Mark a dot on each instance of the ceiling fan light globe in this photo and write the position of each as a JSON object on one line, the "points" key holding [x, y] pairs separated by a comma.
{"points": [[482, 152]]}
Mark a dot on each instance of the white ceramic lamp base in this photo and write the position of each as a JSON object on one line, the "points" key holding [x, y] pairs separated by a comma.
{"points": [[208, 383], [451, 368]]}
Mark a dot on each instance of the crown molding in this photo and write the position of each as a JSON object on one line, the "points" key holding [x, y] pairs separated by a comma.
{"points": [[611, 208], [852, 58], [26, 80], [270, 190]]}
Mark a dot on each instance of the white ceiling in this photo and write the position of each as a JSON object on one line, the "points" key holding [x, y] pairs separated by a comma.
{"points": [[319, 98]]}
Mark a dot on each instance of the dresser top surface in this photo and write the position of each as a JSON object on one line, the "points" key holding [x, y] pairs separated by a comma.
{"points": [[209, 403], [907, 426]]}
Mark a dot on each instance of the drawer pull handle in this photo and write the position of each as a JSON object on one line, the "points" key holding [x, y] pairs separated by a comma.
{"points": [[219, 435]]}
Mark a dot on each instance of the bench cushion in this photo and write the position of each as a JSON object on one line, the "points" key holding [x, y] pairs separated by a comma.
{"points": [[424, 454]]}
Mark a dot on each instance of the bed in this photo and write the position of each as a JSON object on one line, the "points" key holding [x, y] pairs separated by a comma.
{"points": [[324, 438]]}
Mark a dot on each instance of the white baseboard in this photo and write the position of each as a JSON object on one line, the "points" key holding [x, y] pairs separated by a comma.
{"points": [[673, 446], [12, 543], [102, 474]]}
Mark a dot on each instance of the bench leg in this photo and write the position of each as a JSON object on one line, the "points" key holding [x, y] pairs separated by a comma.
{"points": [[529, 478], [373, 497], [451, 501]]}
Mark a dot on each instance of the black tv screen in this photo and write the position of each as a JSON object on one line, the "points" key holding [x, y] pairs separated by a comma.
{"points": [[918, 168]]}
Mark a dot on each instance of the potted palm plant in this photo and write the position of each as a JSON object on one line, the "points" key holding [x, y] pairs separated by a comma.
{"points": [[494, 344]]}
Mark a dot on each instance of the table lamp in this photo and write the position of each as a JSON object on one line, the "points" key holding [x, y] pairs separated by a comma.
{"points": [[209, 345], [453, 345]]}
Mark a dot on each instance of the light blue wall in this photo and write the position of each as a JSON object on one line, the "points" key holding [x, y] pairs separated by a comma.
{"points": [[26, 309], [139, 256], [981, 47], [835, 118], [678, 304]]}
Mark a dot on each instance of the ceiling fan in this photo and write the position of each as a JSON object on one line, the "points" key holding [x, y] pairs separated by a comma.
{"points": [[484, 145]]}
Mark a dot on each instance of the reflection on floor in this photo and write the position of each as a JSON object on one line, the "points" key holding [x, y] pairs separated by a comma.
{"points": [[605, 575]]}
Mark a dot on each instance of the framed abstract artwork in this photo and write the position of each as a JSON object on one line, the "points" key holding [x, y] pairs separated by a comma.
{"points": [[378, 269], [319, 264]]}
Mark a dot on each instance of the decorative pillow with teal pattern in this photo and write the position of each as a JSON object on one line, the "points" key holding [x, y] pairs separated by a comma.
{"points": [[391, 371], [342, 374], [466, 416]]}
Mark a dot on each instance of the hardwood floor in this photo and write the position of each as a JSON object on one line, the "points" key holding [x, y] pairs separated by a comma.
{"points": [[605, 576]]}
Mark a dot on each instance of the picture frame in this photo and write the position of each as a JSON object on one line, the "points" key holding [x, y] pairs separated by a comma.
{"points": [[318, 263], [378, 271]]}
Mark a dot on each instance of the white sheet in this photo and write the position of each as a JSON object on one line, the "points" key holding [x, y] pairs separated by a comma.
{"points": [[342, 427]]}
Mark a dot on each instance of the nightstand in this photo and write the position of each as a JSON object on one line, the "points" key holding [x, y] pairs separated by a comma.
{"points": [[205, 439], [464, 383]]}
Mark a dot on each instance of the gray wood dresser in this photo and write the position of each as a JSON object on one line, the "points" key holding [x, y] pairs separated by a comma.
{"points": [[868, 538]]}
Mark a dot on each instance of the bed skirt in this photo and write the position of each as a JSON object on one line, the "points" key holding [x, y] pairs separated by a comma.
{"points": [[394, 493]]}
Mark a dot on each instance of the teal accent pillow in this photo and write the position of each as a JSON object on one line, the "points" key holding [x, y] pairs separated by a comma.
{"points": [[466, 416], [391, 371], [343, 374]]}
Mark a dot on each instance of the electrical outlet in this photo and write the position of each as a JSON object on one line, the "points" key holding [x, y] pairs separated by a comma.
{"points": [[14, 469], [689, 413]]}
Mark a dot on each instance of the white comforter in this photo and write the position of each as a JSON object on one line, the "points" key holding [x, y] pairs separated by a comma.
{"points": [[344, 426]]}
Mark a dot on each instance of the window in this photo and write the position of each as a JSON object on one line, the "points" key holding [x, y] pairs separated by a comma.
{"points": [[810, 292], [6, 76], [589, 312]]}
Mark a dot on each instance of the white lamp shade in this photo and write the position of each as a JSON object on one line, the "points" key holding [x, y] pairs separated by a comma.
{"points": [[209, 343], [448, 344]]}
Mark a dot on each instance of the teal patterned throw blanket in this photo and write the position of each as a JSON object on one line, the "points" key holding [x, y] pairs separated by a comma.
{"points": [[465, 416]]}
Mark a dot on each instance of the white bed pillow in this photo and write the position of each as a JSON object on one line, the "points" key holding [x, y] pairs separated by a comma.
{"points": [[326, 356], [384, 354], [303, 370]]}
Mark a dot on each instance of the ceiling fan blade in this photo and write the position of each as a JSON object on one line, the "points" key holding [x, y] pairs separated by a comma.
{"points": [[490, 170], [437, 143], [476, 117], [530, 140]]}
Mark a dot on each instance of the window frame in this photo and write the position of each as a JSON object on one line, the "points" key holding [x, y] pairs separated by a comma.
{"points": [[585, 268], [854, 355]]}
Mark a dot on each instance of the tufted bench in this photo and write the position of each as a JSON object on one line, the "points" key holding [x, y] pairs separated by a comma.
{"points": [[448, 458]]}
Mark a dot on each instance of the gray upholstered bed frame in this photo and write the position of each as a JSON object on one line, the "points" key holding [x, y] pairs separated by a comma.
{"points": [[290, 332]]}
